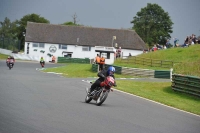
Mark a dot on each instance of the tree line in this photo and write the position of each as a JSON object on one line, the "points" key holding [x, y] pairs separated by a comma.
{"points": [[151, 23]]}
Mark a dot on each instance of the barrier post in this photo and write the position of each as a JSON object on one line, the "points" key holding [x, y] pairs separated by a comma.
{"points": [[171, 71]]}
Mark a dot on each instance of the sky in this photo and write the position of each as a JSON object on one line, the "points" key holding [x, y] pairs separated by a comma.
{"points": [[115, 14]]}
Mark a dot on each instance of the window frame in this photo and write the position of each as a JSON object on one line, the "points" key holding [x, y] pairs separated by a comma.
{"points": [[61, 46], [86, 48]]}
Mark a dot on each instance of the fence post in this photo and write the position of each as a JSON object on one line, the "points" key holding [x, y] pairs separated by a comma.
{"points": [[171, 71], [19, 45], [3, 42]]}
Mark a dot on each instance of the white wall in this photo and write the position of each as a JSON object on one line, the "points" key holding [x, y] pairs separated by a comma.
{"points": [[5, 51], [125, 52], [77, 52]]}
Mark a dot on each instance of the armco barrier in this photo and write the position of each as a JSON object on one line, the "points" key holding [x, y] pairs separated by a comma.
{"points": [[162, 74], [94, 67], [137, 72], [186, 84]]}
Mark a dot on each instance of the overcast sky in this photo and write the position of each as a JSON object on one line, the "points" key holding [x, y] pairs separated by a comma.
{"points": [[117, 14]]}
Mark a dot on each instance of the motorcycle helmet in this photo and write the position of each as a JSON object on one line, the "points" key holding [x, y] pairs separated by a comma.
{"points": [[111, 70]]}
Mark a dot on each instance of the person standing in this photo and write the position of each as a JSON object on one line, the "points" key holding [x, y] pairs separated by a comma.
{"points": [[119, 52], [53, 59], [97, 61], [102, 62]]}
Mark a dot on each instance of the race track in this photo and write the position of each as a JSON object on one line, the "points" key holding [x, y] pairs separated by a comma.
{"points": [[32, 101]]}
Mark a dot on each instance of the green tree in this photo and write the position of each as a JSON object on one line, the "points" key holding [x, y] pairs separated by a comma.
{"points": [[71, 23], [22, 23], [74, 23], [152, 24], [7, 28], [8, 38]]}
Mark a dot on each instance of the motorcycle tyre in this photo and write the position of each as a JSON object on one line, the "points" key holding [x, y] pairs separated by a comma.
{"points": [[87, 99], [101, 99], [10, 67]]}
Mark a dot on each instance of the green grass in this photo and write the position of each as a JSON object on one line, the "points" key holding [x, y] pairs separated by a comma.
{"points": [[3, 56], [189, 56], [161, 92], [78, 70]]}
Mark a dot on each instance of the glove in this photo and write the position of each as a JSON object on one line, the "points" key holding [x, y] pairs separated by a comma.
{"points": [[115, 85]]}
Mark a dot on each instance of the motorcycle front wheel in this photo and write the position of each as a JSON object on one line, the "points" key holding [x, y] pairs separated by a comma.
{"points": [[102, 98], [87, 99], [10, 66]]}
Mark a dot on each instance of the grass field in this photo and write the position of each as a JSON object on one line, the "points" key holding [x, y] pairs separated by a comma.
{"points": [[188, 56]]}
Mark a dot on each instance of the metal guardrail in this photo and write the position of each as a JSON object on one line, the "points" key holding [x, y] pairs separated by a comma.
{"points": [[138, 72], [186, 84]]}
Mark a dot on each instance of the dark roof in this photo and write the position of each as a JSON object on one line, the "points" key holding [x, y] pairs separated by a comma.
{"points": [[88, 36]]}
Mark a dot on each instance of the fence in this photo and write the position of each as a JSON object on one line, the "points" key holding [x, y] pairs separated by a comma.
{"points": [[147, 62], [186, 84], [10, 44], [138, 72]]}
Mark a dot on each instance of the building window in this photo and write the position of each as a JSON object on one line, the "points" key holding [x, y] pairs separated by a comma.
{"points": [[85, 48], [40, 45], [35, 44], [62, 46], [106, 55]]}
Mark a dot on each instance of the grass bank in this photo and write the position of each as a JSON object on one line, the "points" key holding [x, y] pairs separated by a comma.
{"points": [[188, 56], [3, 57]]}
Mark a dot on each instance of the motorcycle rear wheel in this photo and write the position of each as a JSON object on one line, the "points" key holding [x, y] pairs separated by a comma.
{"points": [[102, 98]]}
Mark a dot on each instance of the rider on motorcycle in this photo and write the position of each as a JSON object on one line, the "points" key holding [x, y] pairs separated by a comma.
{"points": [[42, 60], [102, 75], [8, 60]]}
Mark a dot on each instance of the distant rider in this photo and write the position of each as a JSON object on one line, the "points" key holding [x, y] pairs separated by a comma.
{"points": [[42, 60], [102, 75], [9, 59]]}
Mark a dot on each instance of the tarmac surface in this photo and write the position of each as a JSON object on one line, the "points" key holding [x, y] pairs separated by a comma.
{"points": [[32, 101]]}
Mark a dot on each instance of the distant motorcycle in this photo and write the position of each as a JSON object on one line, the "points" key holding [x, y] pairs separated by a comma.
{"points": [[100, 93], [10, 63], [42, 63]]}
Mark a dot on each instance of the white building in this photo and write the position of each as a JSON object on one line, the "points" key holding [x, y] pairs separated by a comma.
{"points": [[79, 42]]}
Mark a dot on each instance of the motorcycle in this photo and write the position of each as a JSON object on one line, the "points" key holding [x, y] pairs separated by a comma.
{"points": [[10, 63], [42, 63], [100, 93]]}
